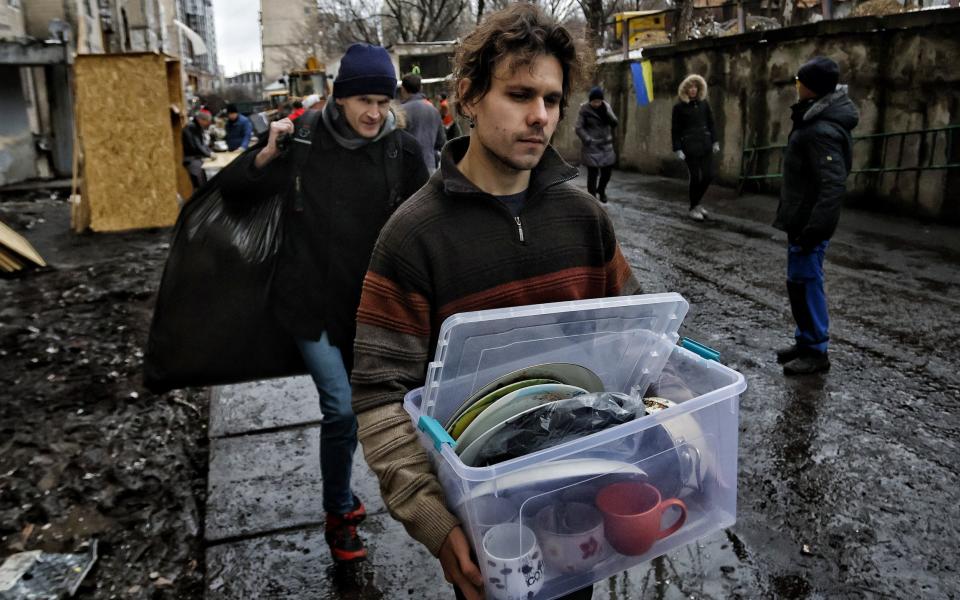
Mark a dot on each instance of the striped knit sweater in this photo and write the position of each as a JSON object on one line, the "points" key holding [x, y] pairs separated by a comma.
{"points": [[453, 248]]}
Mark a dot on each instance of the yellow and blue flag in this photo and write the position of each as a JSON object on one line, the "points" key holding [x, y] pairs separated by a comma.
{"points": [[643, 81]]}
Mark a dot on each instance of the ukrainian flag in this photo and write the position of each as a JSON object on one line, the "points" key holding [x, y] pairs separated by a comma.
{"points": [[643, 81]]}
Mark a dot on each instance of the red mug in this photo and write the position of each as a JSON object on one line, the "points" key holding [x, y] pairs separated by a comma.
{"points": [[632, 511]]}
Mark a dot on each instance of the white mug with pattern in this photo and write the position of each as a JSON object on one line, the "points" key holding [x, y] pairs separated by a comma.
{"points": [[512, 563]]}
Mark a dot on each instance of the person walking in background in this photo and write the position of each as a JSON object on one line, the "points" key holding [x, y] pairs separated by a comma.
{"points": [[298, 110], [695, 139], [195, 147], [239, 129], [423, 120], [360, 167], [314, 102], [595, 123], [816, 163], [446, 115]]}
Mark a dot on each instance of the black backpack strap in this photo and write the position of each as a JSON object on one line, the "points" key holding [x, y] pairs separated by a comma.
{"points": [[394, 166], [300, 146]]}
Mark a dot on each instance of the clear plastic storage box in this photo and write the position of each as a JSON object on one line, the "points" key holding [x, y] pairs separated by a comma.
{"points": [[559, 519]]}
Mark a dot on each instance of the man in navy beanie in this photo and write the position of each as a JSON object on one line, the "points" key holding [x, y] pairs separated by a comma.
{"points": [[816, 163], [344, 172]]}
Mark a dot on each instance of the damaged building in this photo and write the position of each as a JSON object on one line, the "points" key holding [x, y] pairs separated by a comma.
{"points": [[38, 42]]}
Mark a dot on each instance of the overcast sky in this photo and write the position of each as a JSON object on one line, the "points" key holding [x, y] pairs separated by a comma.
{"points": [[238, 35]]}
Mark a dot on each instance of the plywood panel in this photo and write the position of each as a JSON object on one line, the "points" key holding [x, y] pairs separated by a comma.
{"points": [[129, 161], [177, 121]]}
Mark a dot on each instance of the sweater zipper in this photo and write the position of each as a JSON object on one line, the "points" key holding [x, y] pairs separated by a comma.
{"points": [[519, 227]]}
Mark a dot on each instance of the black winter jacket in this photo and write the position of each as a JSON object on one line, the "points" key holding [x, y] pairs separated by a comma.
{"points": [[327, 240], [816, 163], [193, 144], [692, 128]]}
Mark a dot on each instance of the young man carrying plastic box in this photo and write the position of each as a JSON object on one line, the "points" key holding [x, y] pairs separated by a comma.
{"points": [[498, 225]]}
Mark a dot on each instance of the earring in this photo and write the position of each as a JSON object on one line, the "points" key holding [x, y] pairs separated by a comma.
{"points": [[472, 121]]}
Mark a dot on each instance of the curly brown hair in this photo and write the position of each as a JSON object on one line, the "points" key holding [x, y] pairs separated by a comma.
{"points": [[519, 34]]}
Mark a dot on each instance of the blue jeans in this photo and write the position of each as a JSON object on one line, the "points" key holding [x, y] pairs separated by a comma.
{"points": [[808, 301], [338, 431]]}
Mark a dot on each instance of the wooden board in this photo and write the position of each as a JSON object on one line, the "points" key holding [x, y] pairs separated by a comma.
{"points": [[178, 114], [8, 262], [13, 242], [220, 160], [129, 162]]}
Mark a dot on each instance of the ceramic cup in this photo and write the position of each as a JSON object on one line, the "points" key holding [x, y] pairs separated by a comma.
{"points": [[489, 511], [512, 562], [632, 512], [571, 536]]}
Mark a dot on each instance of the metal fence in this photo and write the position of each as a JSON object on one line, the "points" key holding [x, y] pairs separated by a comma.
{"points": [[914, 151]]}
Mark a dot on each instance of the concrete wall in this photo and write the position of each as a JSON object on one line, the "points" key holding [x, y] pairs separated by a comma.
{"points": [[902, 74], [17, 154], [282, 32], [12, 24]]}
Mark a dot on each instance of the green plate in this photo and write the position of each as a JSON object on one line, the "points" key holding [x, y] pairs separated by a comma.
{"points": [[515, 403], [461, 421], [566, 373]]}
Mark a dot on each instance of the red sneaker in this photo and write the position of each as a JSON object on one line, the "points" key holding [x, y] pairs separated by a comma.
{"points": [[341, 534], [358, 514]]}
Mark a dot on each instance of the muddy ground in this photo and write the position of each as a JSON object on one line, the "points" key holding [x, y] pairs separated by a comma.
{"points": [[847, 482], [85, 452]]}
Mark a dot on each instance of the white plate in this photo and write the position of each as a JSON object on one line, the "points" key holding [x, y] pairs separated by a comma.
{"points": [[486, 401], [566, 373], [470, 453], [515, 403], [548, 475]]}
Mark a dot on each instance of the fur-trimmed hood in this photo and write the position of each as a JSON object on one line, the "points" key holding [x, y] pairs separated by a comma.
{"points": [[702, 83]]}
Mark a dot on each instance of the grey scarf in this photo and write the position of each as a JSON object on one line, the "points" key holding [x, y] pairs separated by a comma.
{"points": [[345, 135]]}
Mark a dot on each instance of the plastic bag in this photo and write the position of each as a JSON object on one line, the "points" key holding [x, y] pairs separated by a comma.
{"points": [[212, 322], [559, 422]]}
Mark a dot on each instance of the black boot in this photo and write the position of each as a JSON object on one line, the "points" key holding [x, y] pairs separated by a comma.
{"points": [[807, 363], [785, 355]]}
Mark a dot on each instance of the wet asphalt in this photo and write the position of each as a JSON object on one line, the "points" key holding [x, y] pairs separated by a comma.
{"points": [[847, 481], [846, 487]]}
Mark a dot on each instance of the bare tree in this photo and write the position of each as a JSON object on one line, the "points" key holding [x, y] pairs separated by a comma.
{"points": [[561, 10], [598, 14], [385, 22], [347, 21], [684, 23]]}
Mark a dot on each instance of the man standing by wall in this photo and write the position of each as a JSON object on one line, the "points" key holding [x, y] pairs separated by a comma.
{"points": [[239, 129], [816, 163], [423, 120], [195, 147], [500, 225], [359, 168]]}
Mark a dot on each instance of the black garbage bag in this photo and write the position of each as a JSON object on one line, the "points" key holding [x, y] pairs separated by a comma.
{"points": [[558, 422], [212, 323]]}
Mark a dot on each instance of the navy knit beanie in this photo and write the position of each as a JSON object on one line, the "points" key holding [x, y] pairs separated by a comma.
{"points": [[365, 69], [820, 75], [596, 93]]}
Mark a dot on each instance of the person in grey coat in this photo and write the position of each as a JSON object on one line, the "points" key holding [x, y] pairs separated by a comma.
{"points": [[816, 162], [423, 120], [595, 123]]}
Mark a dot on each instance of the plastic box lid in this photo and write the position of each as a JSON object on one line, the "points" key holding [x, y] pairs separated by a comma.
{"points": [[625, 340]]}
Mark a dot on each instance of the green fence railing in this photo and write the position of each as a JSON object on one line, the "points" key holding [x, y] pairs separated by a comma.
{"points": [[930, 154]]}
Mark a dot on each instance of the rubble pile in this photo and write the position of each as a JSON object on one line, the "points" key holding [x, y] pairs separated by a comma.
{"points": [[85, 453]]}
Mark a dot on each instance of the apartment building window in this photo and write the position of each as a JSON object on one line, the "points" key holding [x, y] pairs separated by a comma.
{"points": [[13, 3]]}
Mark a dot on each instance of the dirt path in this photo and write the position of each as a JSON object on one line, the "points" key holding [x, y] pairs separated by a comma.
{"points": [[85, 451]]}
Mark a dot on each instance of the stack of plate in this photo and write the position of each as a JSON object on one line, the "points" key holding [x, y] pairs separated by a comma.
{"points": [[512, 396]]}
